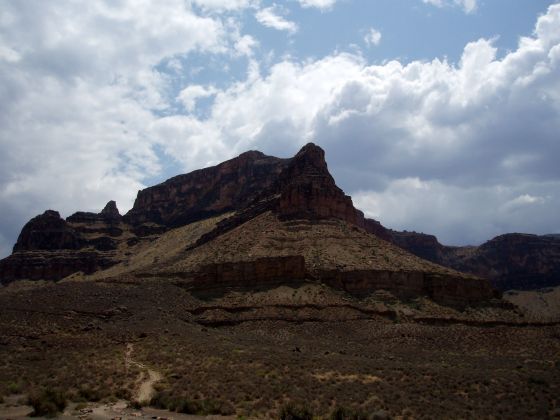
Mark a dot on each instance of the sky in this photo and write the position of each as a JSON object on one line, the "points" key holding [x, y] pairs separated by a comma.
{"points": [[437, 116]]}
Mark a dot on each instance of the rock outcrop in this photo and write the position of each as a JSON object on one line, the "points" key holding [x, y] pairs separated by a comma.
{"points": [[229, 186], [313, 232], [48, 232], [422, 245], [51, 248], [308, 191], [53, 265]]}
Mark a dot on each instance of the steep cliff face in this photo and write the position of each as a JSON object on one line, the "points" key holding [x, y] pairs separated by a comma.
{"points": [[231, 185], [48, 232], [422, 245], [308, 191], [51, 248], [516, 261], [289, 221]]}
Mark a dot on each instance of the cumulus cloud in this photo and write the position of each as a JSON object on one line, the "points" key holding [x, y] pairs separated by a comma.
{"points": [[225, 5], [80, 93], [319, 4], [469, 6], [450, 142], [464, 150], [373, 37], [192, 93], [270, 17]]}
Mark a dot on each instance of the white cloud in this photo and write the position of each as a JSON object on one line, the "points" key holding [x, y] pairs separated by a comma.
{"points": [[80, 92], [270, 18], [451, 143], [469, 6], [373, 37], [192, 93], [460, 215], [319, 4], [82, 105], [245, 45], [225, 5]]}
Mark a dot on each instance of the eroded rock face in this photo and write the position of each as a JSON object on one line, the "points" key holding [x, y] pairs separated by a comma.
{"points": [[231, 185], [516, 261], [109, 215], [308, 191], [422, 245], [48, 231], [51, 248], [511, 261], [52, 265], [110, 211], [250, 274], [250, 185], [443, 288]]}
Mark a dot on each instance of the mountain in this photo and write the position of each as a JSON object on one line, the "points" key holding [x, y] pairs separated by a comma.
{"points": [[252, 220], [255, 289], [511, 261]]}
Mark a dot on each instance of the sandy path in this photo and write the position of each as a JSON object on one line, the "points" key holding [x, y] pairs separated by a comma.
{"points": [[149, 377]]}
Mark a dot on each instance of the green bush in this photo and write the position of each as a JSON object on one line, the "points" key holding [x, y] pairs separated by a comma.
{"points": [[292, 412], [47, 402], [14, 388]]}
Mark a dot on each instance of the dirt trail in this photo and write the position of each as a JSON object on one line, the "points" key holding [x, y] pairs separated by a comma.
{"points": [[148, 379]]}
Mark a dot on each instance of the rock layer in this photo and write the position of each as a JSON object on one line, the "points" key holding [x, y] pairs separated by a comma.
{"points": [[231, 185], [510, 261], [298, 223]]}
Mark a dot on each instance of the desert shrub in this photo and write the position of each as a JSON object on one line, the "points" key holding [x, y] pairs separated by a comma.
{"points": [[344, 413], [47, 402], [14, 388], [88, 393], [164, 400], [123, 394], [292, 412]]}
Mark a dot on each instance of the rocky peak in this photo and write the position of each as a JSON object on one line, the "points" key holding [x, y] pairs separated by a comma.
{"points": [[251, 155], [311, 156], [307, 190], [47, 231], [110, 211]]}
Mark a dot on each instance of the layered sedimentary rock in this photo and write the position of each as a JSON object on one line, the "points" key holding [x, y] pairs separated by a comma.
{"points": [[307, 190], [263, 271], [48, 232], [422, 245], [231, 185], [282, 220], [331, 251], [446, 288], [53, 265], [51, 248], [510, 261]]}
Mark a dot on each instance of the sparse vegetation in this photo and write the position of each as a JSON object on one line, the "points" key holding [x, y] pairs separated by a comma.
{"points": [[294, 412], [47, 402], [253, 369], [343, 413], [185, 405], [14, 387]]}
